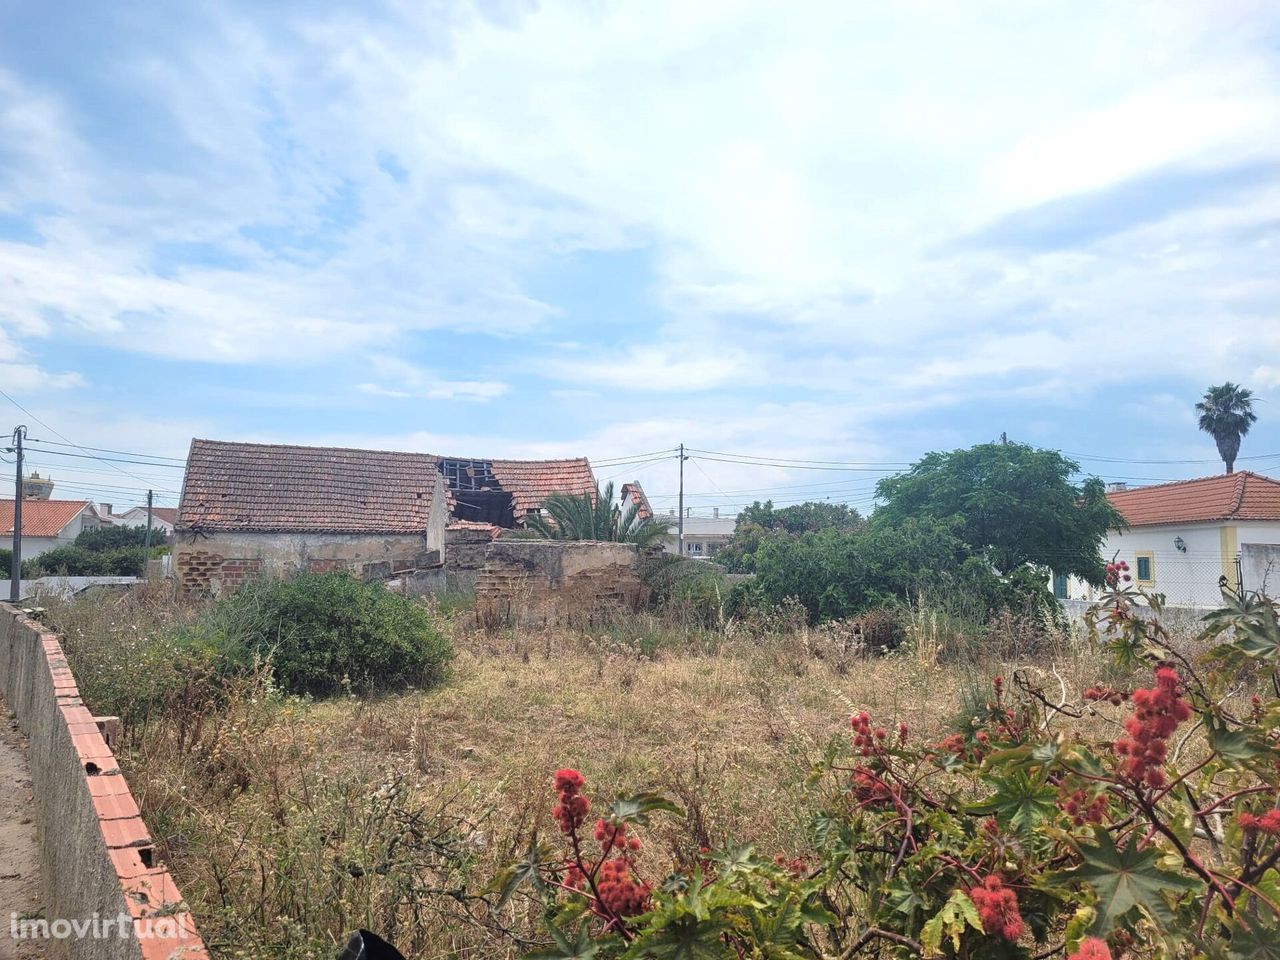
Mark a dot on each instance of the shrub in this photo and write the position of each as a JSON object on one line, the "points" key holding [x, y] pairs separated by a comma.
{"points": [[1019, 834], [690, 592], [323, 633]]}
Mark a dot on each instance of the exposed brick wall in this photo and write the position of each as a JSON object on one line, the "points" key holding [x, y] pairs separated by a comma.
{"points": [[549, 581], [221, 563], [99, 858]]}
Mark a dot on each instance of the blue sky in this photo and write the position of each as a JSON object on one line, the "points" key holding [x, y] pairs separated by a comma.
{"points": [[839, 232]]}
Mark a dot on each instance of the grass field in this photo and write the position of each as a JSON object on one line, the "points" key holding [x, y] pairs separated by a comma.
{"points": [[289, 822]]}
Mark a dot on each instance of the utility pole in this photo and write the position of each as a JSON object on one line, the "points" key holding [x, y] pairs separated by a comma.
{"points": [[146, 550], [15, 569], [680, 535]]}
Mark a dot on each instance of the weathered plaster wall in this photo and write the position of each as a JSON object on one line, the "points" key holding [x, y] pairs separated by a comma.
{"points": [[221, 562], [1260, 567], [546, 581], [464, 552], [98, 856]]}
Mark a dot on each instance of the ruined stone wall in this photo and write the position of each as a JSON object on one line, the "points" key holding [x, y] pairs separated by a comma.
{"points": [[464, 552], [221, 562], [99, 860], [558, 581]]}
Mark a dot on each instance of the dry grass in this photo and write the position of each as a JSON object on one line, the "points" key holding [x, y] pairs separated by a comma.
{"points": [[289, 822]]}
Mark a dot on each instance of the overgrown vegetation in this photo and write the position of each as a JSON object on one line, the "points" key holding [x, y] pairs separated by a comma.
{"points": [[1016, 835], [596, 516], [105, 552], [290, 821]]}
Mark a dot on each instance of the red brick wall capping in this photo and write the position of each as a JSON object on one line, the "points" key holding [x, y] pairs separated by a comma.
{"points": [[42, 691]]}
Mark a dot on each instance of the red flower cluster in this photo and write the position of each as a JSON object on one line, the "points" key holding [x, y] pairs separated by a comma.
{"points": [[795, 866], [611, 835], [572, 809], [1116, 572], [865, 740], [902, 732], [1157, 713], [957, 744], [867, 787], [1091, 948], [1081, 809], [620, 891], [1108, 694], [1269, 822], [998, 907]]}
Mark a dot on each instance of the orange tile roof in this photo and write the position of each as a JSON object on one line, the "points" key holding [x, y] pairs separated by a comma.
{"points": [[278, 488], [1228, 496], [635, 493], [167, 514], [41, 518], [490, 529], [531, 481]]}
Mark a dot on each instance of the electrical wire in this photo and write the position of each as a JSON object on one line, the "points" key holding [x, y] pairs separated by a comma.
{"points": [[126, 453], [62, 435]]}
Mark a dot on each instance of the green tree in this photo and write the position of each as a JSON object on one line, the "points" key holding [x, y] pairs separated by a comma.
{"points": [[761, 521], [801, 517], [1226, 414], [1012, 503], [596, 516]]}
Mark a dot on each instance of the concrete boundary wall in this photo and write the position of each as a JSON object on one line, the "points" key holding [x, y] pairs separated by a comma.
{"points": [[99, 862]]}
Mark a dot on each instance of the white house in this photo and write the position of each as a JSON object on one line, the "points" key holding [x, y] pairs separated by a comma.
{"points": [[162, 518], [1184, 537], [47, 524], [703, 535]]}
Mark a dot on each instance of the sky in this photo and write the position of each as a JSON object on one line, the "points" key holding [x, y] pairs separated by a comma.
{"points": [[840, 232]]}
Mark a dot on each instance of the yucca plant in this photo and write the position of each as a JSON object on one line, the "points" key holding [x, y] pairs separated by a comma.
{"points": [[595, 516]]}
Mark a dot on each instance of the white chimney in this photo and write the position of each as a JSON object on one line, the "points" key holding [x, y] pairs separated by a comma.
{"points": [[1118, 486], [105, 509], [715, 513]]}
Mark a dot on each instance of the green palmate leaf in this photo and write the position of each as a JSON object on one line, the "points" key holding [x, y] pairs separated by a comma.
{"points": [[1236, 746], [1019, 802], [683, 938], [527, 870], [1126, 879], [956, 914], [582, 947], [1078, 928], [637, 809]]}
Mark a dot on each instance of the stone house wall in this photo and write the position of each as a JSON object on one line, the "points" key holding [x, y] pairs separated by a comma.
{"points": [[222, 561], [557, 581]]}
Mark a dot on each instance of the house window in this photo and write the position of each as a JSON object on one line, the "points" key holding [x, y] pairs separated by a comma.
{"points": [[1060, 586], [1146, 564]]}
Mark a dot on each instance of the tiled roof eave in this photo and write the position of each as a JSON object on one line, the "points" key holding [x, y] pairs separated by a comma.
{"points": [[367, 531]]}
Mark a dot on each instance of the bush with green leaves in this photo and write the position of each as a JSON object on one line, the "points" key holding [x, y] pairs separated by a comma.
{"points": [[1022, 834], [325, 633]]}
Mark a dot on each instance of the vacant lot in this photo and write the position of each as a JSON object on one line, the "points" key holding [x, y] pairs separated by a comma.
{"points": [[290, 822]]}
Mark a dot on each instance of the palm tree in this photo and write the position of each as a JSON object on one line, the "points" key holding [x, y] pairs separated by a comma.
{"points": [[1226, 413], [594, 516]]}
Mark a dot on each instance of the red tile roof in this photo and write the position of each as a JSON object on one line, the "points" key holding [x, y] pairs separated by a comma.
{"points": [[531, 481], [1228, 496], [635, 493], [278, 488], [41, 518], [167, 514], [491, 530]]}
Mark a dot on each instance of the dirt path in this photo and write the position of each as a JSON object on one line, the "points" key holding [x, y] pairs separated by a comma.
{"points": [[19, 850]]}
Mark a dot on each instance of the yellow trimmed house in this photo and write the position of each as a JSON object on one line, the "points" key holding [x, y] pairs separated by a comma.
{"points": [[1185, 537]]}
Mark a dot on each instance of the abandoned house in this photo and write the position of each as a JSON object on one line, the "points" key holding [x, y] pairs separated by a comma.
{"points": [[252, 508]]}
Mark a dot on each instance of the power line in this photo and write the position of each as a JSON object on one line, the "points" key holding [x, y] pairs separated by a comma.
{"points": [[65, 437], [1085, 456], [91, 456], [745, 457], [126, 453]]}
